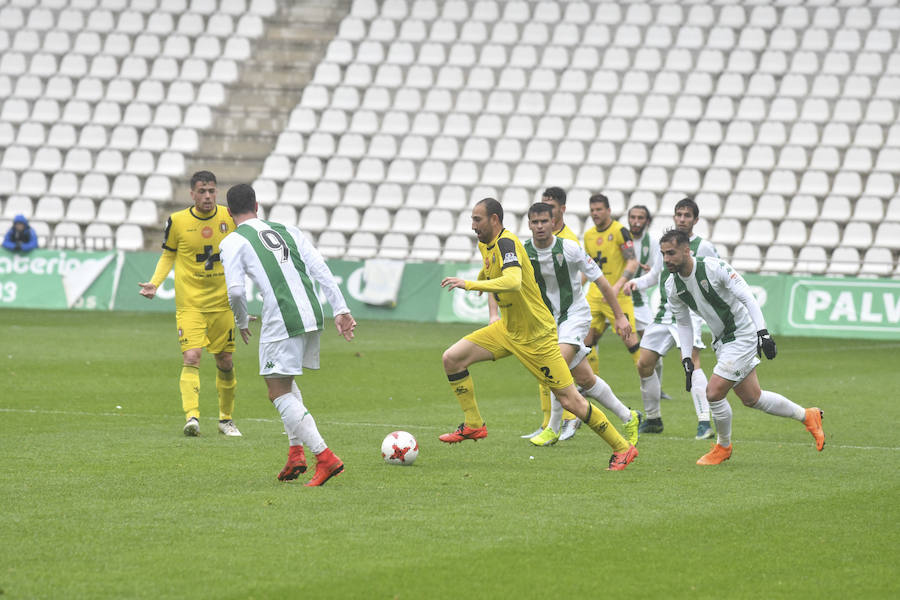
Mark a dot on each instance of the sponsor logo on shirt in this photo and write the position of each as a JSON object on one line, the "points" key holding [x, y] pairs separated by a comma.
{"points": [[510, 257]]}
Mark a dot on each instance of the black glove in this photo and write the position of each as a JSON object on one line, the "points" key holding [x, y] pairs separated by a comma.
{"points": [[765, 344], [688, 365]]}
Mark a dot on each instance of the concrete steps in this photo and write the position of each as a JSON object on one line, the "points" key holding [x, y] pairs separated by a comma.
{"points": [[245, 128]]}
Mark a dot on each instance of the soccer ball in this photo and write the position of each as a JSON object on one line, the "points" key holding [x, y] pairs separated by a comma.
{"points": [[399, 448]]}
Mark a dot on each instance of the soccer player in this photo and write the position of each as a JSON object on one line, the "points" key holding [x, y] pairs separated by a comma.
{"points": [[283, 264], [526, 330], [558, 264], [556, 198], [711, 288], [202, 315], [661, 335], [609, 244], [647, 250]]}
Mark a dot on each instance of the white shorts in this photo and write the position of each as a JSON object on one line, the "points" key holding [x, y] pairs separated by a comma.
{"points": [[573, 332], [737, 359], [643, 316], [289, 356], [660, 338]]}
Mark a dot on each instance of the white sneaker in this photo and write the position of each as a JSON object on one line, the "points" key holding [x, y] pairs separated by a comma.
{"points": [[192, 427], [228, 428], [528, 436], [568, 429]]}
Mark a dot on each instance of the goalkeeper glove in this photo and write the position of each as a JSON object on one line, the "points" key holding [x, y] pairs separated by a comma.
{"points": [[688, 365], [765, 344]]}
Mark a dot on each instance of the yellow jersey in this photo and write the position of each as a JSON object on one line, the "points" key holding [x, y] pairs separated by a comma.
{"points": [[199, 276], [606, 248], [523, 311], [566, 233]]}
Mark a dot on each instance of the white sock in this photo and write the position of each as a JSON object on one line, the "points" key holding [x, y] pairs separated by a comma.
{"points": [[556, 411], [650, 390], [698, 393], [299, 423], [776, 404], [658, 369], [721, 416], [602, 393]]}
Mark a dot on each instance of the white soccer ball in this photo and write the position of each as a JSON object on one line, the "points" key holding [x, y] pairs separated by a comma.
{"points": [[399, 448]]}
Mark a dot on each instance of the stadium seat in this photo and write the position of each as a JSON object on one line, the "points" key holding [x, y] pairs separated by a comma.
{"points": [[778, 259], [811, 259], [725, 231], [746, 257], [888, 236], [332, 244], [878, 262], [425, 247], [759, 232], [844, 261], [129, 237], [111, 210], [394, 246], [824, 233]]}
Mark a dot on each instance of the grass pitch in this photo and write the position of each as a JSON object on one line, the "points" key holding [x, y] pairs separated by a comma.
{"points": [[103, 497]]}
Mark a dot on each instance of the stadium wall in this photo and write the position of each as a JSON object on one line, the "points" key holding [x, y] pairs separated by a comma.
{"points": [[812, 306]]}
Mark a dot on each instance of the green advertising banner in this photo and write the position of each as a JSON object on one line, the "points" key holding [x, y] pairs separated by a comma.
{"points": [[57, 279], [393, 290]]}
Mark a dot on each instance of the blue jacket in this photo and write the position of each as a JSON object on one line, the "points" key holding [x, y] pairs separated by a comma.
{"points": [[22, 241]]}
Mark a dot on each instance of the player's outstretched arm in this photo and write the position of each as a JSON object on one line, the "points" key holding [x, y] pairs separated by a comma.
{"points": [[345, 324]]}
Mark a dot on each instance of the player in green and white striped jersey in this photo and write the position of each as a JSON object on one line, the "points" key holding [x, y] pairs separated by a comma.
{"points": [[661, 336], [712, 289], [284, 265], [558, 264]]}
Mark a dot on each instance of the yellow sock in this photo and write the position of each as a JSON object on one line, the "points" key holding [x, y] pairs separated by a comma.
{"points": [[464, 388], [189, 383], [544, 392], [635, 353], [225, 384], [593, 359], [601, 426]]}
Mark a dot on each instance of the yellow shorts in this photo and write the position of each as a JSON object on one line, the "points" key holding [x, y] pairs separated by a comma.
{"points": [[211, 330], [541, 356], [602, 313]]}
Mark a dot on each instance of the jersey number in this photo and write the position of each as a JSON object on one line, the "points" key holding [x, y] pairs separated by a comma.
{"points": [[275, 243]]}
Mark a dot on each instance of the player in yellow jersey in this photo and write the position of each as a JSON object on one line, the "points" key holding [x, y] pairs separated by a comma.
{"points": [[556, 198], [526, 330], [609, 244], [203, 316]]}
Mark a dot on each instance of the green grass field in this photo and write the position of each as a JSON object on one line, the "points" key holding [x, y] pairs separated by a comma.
{"points": [[103, 497]]}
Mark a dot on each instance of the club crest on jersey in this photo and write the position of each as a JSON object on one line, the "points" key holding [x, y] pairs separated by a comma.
{"points": [[223, 227], [609, 238], [705, 285], [559, 260], [206, 232]]}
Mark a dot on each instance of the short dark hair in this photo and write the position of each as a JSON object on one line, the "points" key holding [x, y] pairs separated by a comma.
{"points": [[241, 199], [599, 198], [492, 207], [540, 207], [688, 202], [555, 193], [675, 236], [202, 176], [643, 208]]}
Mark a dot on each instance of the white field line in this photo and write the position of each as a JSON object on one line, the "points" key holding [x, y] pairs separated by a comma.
{"points": [[74, 413]]}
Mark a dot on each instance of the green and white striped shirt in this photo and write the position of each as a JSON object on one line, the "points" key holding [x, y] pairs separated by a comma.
{"points": [[283, 264], [557, 270], [718, 293]]}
